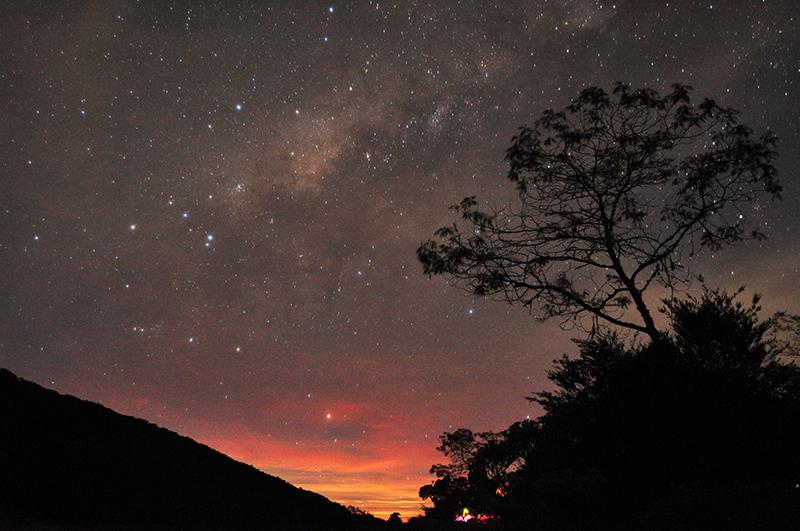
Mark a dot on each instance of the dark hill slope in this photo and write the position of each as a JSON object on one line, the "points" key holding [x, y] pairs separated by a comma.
{"points": [[67, 462]]}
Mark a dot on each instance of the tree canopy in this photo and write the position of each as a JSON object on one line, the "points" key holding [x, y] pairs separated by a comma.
{"points": [[695, 431], [615, 192]]}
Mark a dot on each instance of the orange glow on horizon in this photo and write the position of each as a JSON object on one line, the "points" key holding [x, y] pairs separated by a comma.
{"points": [[372, 455], [364, 455], [380, 482]]}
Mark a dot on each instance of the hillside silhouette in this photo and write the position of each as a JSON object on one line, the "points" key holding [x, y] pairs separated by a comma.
{"points": [[71, 463]]}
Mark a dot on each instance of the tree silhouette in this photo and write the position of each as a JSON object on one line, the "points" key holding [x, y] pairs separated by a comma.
{"points": [[695, 431], [482, 468], [394, 520], [615, 192]]}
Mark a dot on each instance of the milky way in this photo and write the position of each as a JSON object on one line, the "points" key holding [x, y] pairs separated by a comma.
{"points": [[210, 210]]}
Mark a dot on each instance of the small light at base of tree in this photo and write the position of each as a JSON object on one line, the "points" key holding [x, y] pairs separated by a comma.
{"points": [[465, 517]]}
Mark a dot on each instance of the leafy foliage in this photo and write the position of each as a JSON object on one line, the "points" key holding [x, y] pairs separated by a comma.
{"points": [[695, 431], [482, 468]]}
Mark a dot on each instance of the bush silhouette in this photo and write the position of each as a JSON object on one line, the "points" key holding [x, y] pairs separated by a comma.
{"points": [[696, 431]]}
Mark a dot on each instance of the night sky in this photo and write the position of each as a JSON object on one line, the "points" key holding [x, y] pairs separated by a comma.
{"points": [[209, 211]]}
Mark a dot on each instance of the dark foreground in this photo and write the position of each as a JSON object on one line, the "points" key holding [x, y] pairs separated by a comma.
{"points": [[69, 463]]}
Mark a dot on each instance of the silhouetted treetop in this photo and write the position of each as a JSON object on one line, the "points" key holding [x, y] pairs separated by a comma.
{"points": [[696, 431], [483, 467], [615, 192]]}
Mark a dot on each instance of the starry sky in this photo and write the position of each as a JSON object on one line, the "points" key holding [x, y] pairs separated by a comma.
{"points": [[209, 210]]}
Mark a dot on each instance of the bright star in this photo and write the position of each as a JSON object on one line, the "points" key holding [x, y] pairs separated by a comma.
{"points": [[238, 106]]}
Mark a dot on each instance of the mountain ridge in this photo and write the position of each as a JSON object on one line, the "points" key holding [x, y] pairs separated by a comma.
{"points": [[71, 462]]}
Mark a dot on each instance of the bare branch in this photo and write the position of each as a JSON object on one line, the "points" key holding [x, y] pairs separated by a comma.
{"points": [[615, 192]]}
